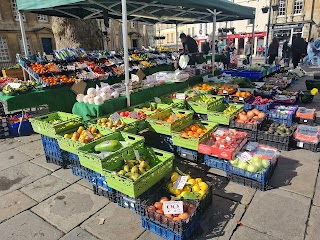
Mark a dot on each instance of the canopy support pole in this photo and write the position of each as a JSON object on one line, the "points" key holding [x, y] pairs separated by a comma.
{"points": [[252, 39], [177, 37], [268, 32], [213, 50], [24, 40], [125, 48]]}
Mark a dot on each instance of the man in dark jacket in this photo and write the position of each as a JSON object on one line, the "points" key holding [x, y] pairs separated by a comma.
{"points": [[286, 52], [205, 47], [298, 48], [190, 47]]}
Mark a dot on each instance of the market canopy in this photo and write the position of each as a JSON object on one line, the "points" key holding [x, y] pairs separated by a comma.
{"points": [[166, 11]]}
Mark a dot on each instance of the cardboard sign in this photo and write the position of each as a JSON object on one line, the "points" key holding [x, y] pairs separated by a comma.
{"points": [[79, 87], [196, 91], [140, 74], [181, 96], [181, 181], [245, 156], [115, 117], [175, 118], [173, 207], [157, 100], [136, 153], [135, 78]]}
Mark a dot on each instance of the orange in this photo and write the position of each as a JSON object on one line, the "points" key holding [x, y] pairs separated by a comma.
{"points": [[199, 131], [190, 133], [196, 134], [194, 128]]}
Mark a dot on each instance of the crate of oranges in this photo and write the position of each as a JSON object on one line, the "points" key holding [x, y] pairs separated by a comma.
{"points": [[191, 133], [206, 87], [241, 97], [65, 79], [163, 122], [50, 81]]}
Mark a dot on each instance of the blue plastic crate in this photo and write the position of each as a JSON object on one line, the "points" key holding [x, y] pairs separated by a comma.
{"points": [[263, 107], [168, 234], [189, 154], [54, 154], [159, 141], [25, 129], [262, 176], [214, 162], [234, 73], [50, 143], [91, 176]]}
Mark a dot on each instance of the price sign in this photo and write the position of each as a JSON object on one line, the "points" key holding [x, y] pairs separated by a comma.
{"points": [[241, 98], [228, 138], [225, 91], [157, 100], [300, 144], [134, 114], [181, 96], [219, 132], [115, 117], [245, 156], [305, 120], [174, 116], [278, 91], [173, 207], [136, 153], [71, 68], [89, 134], [135, 78], [14, 85], [181, 181]]}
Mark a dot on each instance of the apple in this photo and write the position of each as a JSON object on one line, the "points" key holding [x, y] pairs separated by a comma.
{"points": [[234, 162], [242, 165], [122, 114], [265, 163], [126, 113], [252, 168]]}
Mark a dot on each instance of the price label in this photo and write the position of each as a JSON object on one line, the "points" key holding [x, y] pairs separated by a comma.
{"points": [[278, 91], [134, 114], [14, 85], [225, 91], [135, 78], [136, 153], [219, 132], [89, 134], [181, 181], [71, 68], [228, 138], [305, 120], [245, 156], [115, 117], [173, 207], [174, 116], [300, 144], [241, 98], [181, 96], [157, 100]]}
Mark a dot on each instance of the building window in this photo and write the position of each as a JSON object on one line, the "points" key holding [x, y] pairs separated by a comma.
{"points": [[42, 18], [282, 7], [4, 50], [298, 6], [205, 28], [28, 46], [15, 11], [172, 38], [132, 24]]}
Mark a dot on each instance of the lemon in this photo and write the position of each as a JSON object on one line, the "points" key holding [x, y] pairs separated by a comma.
{"points": [[174, 176], [189, 177], [172, 190], [202, 192], [186, 189], [196, 188], [170, 185], [203, 186], [177, 191], [198, 180], [192, 181]]}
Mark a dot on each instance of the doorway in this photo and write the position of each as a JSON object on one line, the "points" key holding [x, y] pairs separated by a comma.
{"points": [[135, 43], [47, 45]]}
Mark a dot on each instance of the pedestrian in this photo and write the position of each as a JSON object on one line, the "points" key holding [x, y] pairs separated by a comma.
{"points": [[298, 49], [309, 59], [247, 51], [216, 48], [226, 56], [190, 47], [316, 49], [260, 50], [273, 50], [286, 52], [205, 47]]}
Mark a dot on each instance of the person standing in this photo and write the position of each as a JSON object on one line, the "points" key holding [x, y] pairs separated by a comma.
{"points": [[226, 56], [286, 52], [273, 50], [205, 48], [309, 59], [298, 49], [190, 47], [247, 51]]}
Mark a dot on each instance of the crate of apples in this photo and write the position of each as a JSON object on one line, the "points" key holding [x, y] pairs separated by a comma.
{"points": [[140, 114], [248, 120]]}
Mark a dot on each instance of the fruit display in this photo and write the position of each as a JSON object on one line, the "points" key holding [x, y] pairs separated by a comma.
{"points": [[195, 130], [309, 134], [224, 114], [18, 86], [95, 68], [41, 69], [243, 82], [171, 118], [205, 99], [133, 169], [260, 101], [108, 123], [223, 143], [277, 129], [51, 81], [108, 146], [306, 113], [282, 113], [140, 114], [194, 188], [251, 117], [240, 97], [65, 79], [146, 64], [254, 164], [186, 96], [84, 135], [151, 109], [116, 70], [204, 87], [227, 90]]}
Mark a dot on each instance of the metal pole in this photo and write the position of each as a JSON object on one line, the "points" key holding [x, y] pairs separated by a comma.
{"points": [[177, 37], [125, 48], [268, 31], [23, 35], [252, 38], [213, 50]]}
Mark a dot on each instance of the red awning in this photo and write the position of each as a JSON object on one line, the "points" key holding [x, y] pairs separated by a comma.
{"points": [[246, 35]]}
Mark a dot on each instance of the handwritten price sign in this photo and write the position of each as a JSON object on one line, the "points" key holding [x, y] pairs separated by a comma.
{"points": [[173, 207]]}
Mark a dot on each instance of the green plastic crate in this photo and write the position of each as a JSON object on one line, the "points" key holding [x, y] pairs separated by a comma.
{"points": [[218, 116], [161, 164], [172, 102], [214, 86], [202, 108], [157, 124], [95, 162], [191, 142], [42, 126]]}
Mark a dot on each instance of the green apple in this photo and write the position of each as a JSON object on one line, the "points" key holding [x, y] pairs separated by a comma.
{"points": [[255, 159], [242, 165], [265, 163], [259, 165], [234, 162], [252, 168]]}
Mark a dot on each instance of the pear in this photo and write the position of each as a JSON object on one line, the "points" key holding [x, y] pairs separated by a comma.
{"points": [[126, 168], [147, 167], [141, 170], [129, 174], [143, 164], [135, 176], [122, 172], [135, 169]]}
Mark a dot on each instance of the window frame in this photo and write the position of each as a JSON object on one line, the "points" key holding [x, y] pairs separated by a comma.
{"points": [[282, 7], [7, 50], [44, 20], [29, 49], [296, 3], [15, 11]]}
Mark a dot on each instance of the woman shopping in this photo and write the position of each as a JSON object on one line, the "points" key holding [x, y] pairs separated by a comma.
{"points": [[273, 50]]}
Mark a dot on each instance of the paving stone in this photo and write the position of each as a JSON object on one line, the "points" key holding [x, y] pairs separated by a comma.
{"points": [[33, 149], [11, 158], [220, 219], [70, 207], [66, 175], [9, 144], [233, 191], [14, 203], [120, 223], [245, 233], [316, 197], [41, 161], [28, 226], [28, 139], [20, 175], [294, 170], [278, 213], [313, 230], [85, 183], [44, 187], [78, 234], [147, 235]]}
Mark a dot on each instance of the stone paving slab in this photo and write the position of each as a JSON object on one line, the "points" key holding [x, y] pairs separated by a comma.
{"points": [[78, 234], [313, 230], [85, 183], [147, 235], [41, 161], [245, 233], [70, 207], [28, 139], [14, 203], [316, 197], [20, 175], [220, 219], [278, 213], [295, 170], [9, 143], [120, 223], [28, 226], [44, 187], [66, 175], [11, 158], [33, 149]]}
